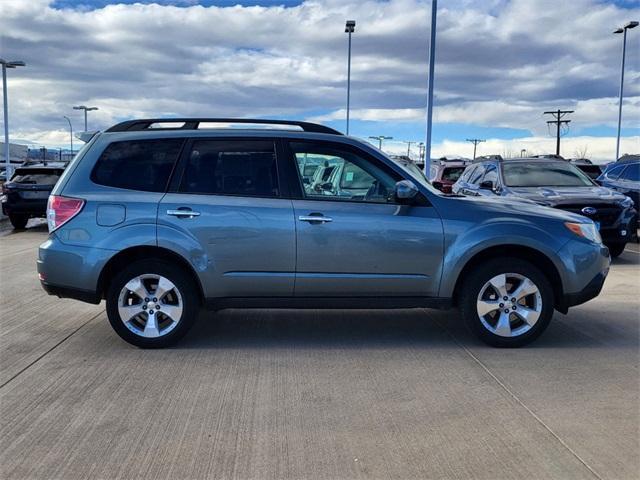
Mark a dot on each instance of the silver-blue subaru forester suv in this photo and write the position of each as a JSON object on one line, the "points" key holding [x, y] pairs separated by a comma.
{"points": [[163, 216]]}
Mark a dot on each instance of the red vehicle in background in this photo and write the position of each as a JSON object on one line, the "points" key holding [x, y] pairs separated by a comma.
{"points": [[444, 172]]}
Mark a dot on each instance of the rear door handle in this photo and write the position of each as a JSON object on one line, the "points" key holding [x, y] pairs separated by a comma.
{"points": [[183, 213], [315, 219]]}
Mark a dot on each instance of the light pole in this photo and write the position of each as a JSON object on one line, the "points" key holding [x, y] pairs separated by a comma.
{"points": [[349, 28], [7, 64], [380, 138], [622, 30], [70, 134], [432, 59], [86, 109], [409, 148]]}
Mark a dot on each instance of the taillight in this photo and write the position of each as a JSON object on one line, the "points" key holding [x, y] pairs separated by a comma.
{"points": [[62, 209]]}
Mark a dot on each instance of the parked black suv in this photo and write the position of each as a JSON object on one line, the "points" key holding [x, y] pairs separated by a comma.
{"points": [[26, 193], [558, 184]]}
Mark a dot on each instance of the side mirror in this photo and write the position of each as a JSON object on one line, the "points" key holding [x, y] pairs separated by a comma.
{"points": [[487, 185], [405, 191], [306, 181]]}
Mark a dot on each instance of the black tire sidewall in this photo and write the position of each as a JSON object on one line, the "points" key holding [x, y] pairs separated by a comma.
{"points": [[616, 249], [19, 222], [183, 282], [483, 273]]}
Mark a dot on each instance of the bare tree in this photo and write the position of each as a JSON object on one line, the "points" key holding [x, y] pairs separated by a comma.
{"points": [[581, 152]]}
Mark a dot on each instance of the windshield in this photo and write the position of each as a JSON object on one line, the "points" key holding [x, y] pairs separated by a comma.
{"points": [[452, 174], [544, 174], [412, 168]]}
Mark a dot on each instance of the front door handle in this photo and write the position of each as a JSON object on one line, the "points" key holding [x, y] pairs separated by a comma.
{"points": [[183, 213], [315, 219]]}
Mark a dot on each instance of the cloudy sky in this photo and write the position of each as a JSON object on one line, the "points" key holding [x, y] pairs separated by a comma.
{"points": [[500, 64]]}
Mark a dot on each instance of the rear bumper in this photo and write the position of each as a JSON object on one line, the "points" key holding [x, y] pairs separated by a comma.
{"points": [[31, 208], [70, 292]]}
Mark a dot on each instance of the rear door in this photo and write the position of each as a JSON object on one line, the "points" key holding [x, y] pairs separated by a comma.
{"points": [[353, 239], [227, 198]]}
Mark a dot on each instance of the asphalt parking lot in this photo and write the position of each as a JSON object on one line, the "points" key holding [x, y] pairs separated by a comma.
{"points": [[311, 394]]}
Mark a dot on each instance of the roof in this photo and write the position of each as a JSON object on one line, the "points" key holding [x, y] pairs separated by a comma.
{"points": [[190, 123]]}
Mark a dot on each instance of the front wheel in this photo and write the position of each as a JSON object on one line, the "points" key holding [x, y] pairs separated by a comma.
{"points": [[152, 303], [616, 249], [507, 302]]}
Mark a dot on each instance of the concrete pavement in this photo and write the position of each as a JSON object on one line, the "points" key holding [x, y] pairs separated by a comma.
{"points": [[313, 394]]}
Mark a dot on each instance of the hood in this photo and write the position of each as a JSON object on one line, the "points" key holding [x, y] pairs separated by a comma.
{"points": [[553, 196], [497, 207]]}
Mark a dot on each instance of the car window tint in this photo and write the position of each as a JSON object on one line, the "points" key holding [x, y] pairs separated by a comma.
{"points": [[632, 172], [491, 175], [543, 174], [468, 172], [36, 177], [342, 175], [615, 172], [138, 164], [231, 167], [477, 174], [452, 173]]}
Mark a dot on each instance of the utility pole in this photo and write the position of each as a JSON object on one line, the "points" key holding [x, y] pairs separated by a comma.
{"points": [[475, 142], [409, 148], [558, 115]]}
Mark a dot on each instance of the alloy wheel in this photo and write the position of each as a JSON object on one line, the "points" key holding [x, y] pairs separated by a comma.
{"points": [[509, 304], [150, 305]]}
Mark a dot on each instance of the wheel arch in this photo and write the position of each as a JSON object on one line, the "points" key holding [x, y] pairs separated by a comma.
{"points": [[528, 254], [143, 252]]}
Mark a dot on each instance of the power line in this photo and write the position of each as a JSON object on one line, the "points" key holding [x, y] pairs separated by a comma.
{"points": [[558, 122], [475, 142]]}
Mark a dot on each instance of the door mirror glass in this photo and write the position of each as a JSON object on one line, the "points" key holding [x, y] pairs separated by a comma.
{"points": [[405, 191], [487, 185]]}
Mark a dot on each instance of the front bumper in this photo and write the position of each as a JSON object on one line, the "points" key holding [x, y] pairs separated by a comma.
{"points": [[590, 291], [585, 268]]}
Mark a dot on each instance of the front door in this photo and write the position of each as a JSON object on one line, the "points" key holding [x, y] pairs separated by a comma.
{"points": [[226, 209], [353, 238]]}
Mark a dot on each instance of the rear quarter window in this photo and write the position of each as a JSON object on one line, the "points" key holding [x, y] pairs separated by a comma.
{"points": [[143, 165]]}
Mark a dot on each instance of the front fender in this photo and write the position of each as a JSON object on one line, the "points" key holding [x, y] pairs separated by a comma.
{"points": [[463, 241]]}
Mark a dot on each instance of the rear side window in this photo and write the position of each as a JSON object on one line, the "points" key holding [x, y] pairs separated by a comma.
{"points": [[632, 172], [231, 167], [36, 177], [137, 165]]}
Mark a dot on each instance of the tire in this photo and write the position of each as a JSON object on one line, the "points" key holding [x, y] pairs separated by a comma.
{"points": [[19, 222], [496, 327], [616, 249], [179, 299]]}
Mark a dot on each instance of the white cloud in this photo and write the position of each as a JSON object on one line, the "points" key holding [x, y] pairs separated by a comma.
{"points": [[499, 63]]}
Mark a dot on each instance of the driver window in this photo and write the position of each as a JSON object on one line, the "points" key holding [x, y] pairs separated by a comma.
{"points": [[330, 174]]}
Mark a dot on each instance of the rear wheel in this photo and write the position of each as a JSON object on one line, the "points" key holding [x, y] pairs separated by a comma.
{"points": [[152, 303], [19, 222], [507, 302], [616, 249]]}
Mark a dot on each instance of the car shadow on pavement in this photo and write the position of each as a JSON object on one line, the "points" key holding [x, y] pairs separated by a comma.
{"points": [[312, 328], [342, 329]]}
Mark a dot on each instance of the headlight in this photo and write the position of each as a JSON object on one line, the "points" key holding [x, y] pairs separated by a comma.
{"points": [[585, 230]]}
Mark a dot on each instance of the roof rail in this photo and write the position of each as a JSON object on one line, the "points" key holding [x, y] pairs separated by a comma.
{"points": [[194, 123]]}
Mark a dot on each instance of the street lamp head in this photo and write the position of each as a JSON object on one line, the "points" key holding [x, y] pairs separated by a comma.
{"points": [[13, 63], [91, 108], [79, 107], [618, 30], [632, 24], [350, 26]]}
